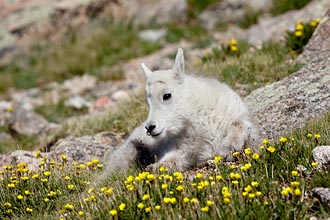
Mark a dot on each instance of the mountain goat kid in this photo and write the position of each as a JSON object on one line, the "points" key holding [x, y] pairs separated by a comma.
{"points": [[191, 119]]}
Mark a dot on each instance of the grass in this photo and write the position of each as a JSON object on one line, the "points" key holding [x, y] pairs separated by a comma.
{"points": [[249, 68], [101, 44], [264, 185], [281, 6]]}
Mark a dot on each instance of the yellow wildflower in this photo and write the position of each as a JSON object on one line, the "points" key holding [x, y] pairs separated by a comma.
{"points": [[27, 192], [252, 195], [209, 203], [47, 173], [248, 151], [294, 173], [148, 209], [297, 192], [235, 182], [233, 48], [317, 136], [295, 184], [157, 207], [70, 186], [205, 209], [46, 200], [265, 142], [255, 156], [299, 27], [217, 159], [309, 135], [38, 153], [226, 200], [140, 205], [283, 140], [20, 197], [173, 200], [314, 164], [113, 212], [235, 154], [122, 206], [167, 200], [255, 184], [179, 188], [199, 175], [271, 149], [298, 33], [81, 213], [29, 210], [233, 42], [69, 207], [163, 169], [218, 177], [186, 200], [145, 197], [261, 147]]}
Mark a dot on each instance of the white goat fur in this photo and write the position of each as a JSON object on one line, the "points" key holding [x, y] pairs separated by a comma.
{"points": [[202, 118]]}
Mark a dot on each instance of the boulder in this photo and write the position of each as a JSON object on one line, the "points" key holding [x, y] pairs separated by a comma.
{"points": [[323, 195], [229, 11], [86, 148], [289, 103], [146, 12], [321, 155]]}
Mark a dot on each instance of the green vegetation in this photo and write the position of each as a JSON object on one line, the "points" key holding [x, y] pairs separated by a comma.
{"points": [[281, 6], [59, 112], [260, 185], [247, 68], [297, 39], [104, 43]]}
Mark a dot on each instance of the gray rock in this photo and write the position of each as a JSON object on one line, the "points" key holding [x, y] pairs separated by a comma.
{"points": [[289, 103], [86, 148], [80, 84], [25, 122], [227, 11], [272, 28], [146, 12], [321, 155], [323, 195], [119, 95], [152, 35], [77, 102]]}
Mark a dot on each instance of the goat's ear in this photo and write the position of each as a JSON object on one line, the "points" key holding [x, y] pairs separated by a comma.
{"points": [[146, 71], [178, 68]]}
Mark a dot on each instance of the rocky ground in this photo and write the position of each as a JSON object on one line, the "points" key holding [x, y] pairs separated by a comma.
{"points": [[278, 107]]}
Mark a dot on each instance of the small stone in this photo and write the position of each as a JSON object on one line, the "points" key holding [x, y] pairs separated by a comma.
{"points": [[119, 95], [323, 195], [77, 102], [321, 155], [152, 35]]}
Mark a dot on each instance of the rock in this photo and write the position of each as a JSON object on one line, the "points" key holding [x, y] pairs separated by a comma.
{"points": [[289, 103], [120, 95], [101, 102], [83, 149], [319, 43], [25, 122], [24, 156], [323, 195], [146, 12], [321, 155], [272, 28], [228, 11], [79, 84], [152, 35], [77, 102]]}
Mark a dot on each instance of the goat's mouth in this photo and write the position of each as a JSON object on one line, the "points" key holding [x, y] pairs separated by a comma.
{"points": [[154, 133]]}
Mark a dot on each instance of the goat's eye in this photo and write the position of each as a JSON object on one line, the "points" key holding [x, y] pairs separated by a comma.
{"points": [[167, 96]]}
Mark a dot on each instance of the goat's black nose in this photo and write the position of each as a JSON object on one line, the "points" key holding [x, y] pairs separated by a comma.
{"points": [[150, 128]]}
